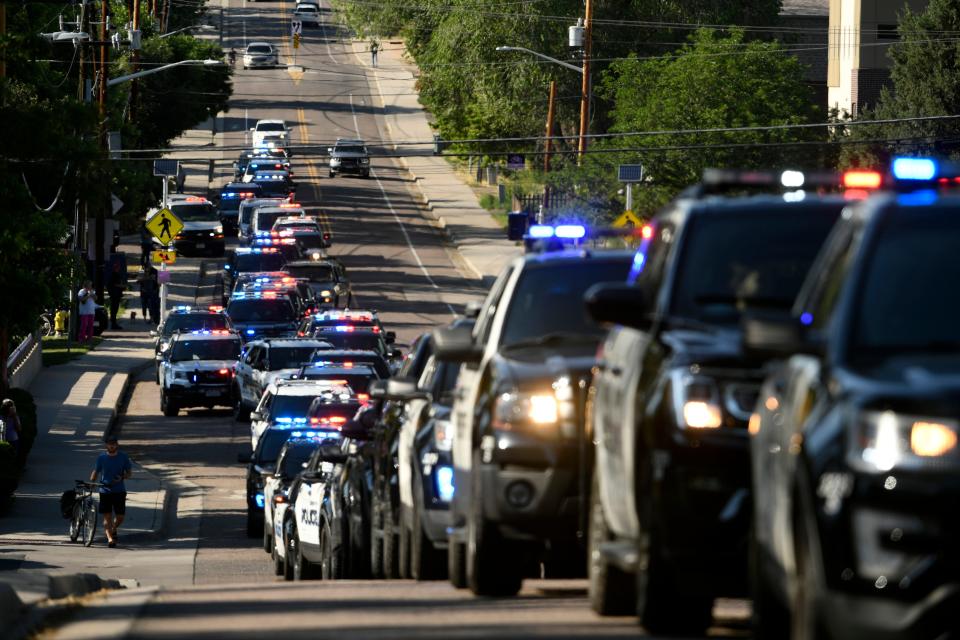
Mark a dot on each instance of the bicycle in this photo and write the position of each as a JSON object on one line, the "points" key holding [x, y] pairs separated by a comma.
{"points": [[83, 518]]}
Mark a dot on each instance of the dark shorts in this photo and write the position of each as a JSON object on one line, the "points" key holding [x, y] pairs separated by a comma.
{"points": [[113, 503]]}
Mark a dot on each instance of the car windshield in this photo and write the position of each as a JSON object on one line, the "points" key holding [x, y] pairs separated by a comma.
{"points": [[906, 303], [377, 363], [259, 262], [271, 310], [358, 382], [313, 272], [349, 148], [268, 449], [296, 459], [547, 300], [291, 406], [258, 48], [205, 350], [193, 322], [195, 212], [270, 126], [290, 357], [360, 341], [274, 187], [747, 259], [265, 219]]}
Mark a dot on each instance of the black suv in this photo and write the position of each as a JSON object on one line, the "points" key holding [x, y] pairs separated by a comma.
{"points": [[671, 396], [349, 156], [519, 450], [854, 444], [262, 315], [231, 195]]}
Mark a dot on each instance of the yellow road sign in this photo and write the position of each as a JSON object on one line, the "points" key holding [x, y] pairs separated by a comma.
{"points": [[628, 219], [164, 226], [296, 41], [165, 256]]}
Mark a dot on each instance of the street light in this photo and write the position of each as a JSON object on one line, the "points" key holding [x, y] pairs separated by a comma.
{"points": [[201, 27], [121, 79], [542, 55]]}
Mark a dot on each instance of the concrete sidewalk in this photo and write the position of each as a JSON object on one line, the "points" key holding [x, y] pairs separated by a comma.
{"points": [[476, 235]]}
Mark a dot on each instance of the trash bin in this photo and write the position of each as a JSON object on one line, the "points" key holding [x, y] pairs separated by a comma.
{"points": [[517, 222]]}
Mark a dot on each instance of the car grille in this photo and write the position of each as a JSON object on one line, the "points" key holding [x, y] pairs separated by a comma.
{"points": [[209, 377]]}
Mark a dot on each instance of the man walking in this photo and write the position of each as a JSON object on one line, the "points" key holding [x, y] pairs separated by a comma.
{"points": [[374, 49], [88, 307], [113, 467], [116, 283], [10, 424]]}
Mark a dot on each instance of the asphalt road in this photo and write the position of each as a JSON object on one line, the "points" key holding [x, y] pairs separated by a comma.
{"points": [[399, 266]]}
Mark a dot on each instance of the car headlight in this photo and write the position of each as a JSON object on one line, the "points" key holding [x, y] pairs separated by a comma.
{"points": [[443, 435], [524, 409], [696, 401], [325, 293], [218, 229], [885, 439], [180, 375]]}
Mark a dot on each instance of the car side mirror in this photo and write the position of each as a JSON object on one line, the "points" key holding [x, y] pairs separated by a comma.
{"points": [[456, 344], [396, 389], [331, 453], [618, 303], [153, 333], [390, 337], [329, 149], [244, 457], [472, 309], [772, 336], [256, 415]]}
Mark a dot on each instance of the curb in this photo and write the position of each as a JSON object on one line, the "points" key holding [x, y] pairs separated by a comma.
{"points": [[28, 621], [11, 608]]}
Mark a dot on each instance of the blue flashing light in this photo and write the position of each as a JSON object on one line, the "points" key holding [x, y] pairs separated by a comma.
{"points": [[914, 169], [806, 318], [250, 332], [570, 231], [923, 198], [226, 267], [342, 328], [181, 308], [445, 487], [260, 500], [540, 231]]}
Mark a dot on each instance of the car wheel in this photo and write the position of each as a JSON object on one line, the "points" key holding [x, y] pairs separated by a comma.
{"points": [[168, 405], [331, 567], [611, 591], [661, 607], [769, 617], [806, 621], [158, 375], [492, 567], [391, 564], [289, 532], [240, 412], [333, 174], [278, 563], [376, 540], [267, 537], [404, 548], [302, 569], [254, 526], [426, 563], [457, 564]]}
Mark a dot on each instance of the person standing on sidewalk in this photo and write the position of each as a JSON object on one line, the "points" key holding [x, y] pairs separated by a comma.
{"points": [[113, 467], [10, 424], [116, 283], [147, 281], [88, 308], [374, 49]]}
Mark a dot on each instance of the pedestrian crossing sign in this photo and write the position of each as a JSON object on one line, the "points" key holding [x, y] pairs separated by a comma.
{"points": [[163, 256], [164, 226], [627, 219]]}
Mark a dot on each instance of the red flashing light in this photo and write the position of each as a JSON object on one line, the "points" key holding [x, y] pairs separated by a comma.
{"points": [[215, 308], [224, 372], [195, 199], [859, 179], [646, 232], [363, 397], [269, 294]]}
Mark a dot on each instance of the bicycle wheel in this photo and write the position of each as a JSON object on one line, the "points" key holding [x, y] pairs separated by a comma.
{"points": [[45, 325], [76, 521], [89, 521]]}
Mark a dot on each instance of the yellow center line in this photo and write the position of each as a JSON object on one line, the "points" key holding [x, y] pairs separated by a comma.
{"points": [[311, 169]]}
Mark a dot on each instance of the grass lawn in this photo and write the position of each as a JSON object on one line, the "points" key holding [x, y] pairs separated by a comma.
{"points": [[55, 350]]}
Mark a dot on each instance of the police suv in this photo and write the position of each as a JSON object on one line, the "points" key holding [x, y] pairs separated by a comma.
{"points": [[197, 370]]}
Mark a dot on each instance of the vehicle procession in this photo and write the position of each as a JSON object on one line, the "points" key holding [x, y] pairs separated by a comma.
{"points": [[753, 394]]}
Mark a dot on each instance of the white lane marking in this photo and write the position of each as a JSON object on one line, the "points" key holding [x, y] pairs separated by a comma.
{"points": [[403, 228], [323, 34], [244, 23]]}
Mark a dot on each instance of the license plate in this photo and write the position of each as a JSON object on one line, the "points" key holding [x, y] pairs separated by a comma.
{"points": [[200, 245], [212, 393]]}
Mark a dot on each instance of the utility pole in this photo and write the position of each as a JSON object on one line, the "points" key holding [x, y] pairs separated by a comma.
{"points": [[548, 143], [585, 86], [99, 261], [135, 62]]}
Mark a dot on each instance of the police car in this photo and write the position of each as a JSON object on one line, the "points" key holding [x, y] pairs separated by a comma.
{"points": [[275, 182], [202, 229], [262, 314], [287, 402], [246, 211], [284, 241], [344, 321], [305, 230], [327, 277], [186, 318], [357, 376], [197, 370], [268, 359], [231, 195]]}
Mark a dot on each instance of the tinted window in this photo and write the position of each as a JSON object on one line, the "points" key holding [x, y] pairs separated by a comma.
{"points": [[376, 362], [258, 49], [274, 187], [296, 459], [340, 148], [190, 322], [289, 357], [270, 126], [315, 273], [907, 299], [548, 299], [270, 444], [358, 382], [276, 310], [195, 212], [258, 262], [752, 259], [205, 350], [361, 341]]}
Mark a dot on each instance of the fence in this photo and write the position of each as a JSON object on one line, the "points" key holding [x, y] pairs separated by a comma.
{"points": [[531, 203], [25, 362]]}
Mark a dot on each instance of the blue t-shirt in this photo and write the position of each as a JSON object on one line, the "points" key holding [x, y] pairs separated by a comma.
{"points": [[110, 468]]}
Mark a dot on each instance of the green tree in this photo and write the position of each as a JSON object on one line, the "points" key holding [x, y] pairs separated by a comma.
{"points": [[713, 82], [925, 80]]}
